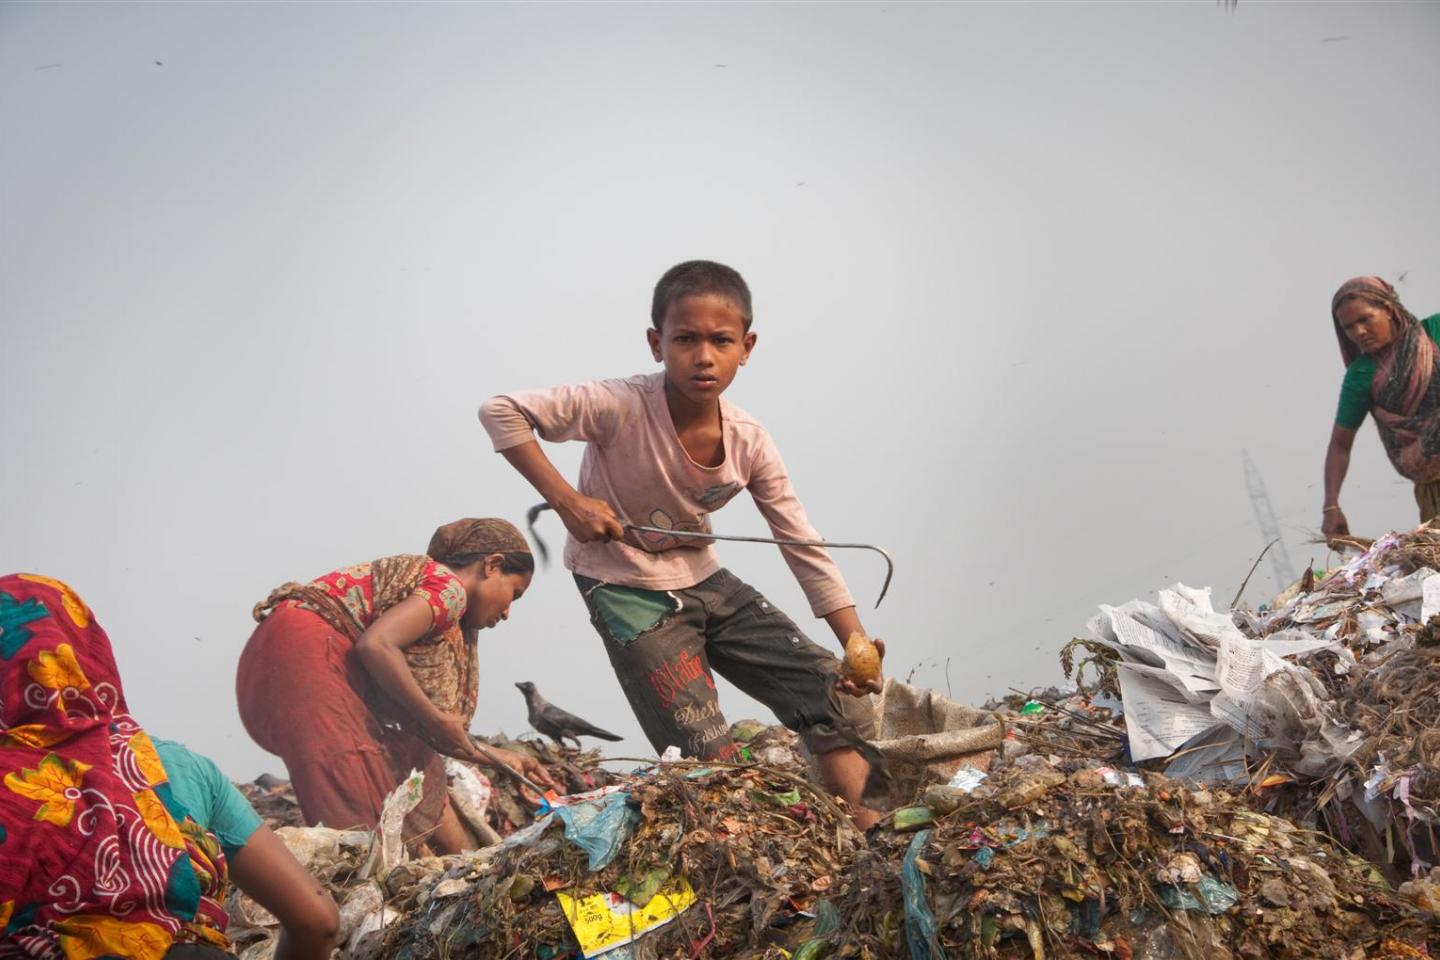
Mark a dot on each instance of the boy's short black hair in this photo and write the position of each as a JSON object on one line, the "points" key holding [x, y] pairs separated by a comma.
{"points": [[698, 277]]}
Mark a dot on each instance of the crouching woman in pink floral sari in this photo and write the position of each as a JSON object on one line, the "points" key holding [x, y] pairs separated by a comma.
{"points": [[106, 849]]}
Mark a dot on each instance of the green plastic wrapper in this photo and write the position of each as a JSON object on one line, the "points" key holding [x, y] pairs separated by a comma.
{"points": [[913, 818]]}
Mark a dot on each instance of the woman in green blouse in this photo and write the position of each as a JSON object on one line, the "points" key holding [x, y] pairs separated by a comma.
{"points": [[1392, 370]]}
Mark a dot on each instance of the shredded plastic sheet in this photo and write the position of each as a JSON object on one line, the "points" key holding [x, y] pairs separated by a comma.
{"points": [[1120, 778], [363, 913], [390, 852], [470, 793], [318, 845]]}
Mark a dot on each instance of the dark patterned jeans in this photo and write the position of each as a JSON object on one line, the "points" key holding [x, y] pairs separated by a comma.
{"points": [[664, 646]]}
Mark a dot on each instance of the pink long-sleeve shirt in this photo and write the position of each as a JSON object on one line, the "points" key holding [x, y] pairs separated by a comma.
{"points": [[635, 462]]}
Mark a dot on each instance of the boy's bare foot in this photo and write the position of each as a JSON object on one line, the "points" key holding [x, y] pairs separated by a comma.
{"points": [[864, 818], [844, 772]]}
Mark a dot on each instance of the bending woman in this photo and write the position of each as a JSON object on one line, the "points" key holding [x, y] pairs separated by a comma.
{"points": [[111, 844], [1392, 370], [360, 676]]}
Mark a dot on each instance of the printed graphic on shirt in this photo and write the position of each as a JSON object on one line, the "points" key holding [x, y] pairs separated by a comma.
{"points": [[713, 498], [659, 541]]}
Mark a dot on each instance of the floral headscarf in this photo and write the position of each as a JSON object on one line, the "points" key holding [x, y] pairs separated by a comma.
{"points": [[96, 857]]}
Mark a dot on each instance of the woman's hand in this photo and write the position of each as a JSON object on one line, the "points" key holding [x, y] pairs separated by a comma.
{"points": [[1333, 523], [449, 736], [525, 765], [1337, 463]]}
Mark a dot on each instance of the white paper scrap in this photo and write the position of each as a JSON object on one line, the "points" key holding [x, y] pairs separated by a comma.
{"points": [[1158, 719], [1430, 599]]}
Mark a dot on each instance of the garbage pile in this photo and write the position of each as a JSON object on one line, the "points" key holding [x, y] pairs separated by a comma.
{"points": [[274, 800], [685, 857], [1038, 856], [1061, 859], [1332, 692], [690, 854], [1062, 723], [366, 870]]}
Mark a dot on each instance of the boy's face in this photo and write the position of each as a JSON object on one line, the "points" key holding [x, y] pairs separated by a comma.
{"points": [[703, 344]]}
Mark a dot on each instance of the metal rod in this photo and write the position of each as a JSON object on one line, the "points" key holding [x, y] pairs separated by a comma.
{"points": [[889, 563], [534, 512]]}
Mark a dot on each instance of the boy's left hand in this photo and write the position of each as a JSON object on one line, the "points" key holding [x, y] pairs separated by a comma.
{"points": [[862, 689]]}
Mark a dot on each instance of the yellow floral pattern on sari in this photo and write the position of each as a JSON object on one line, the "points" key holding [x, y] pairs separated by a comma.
{"points": [[59, 670], [148, 759], [55, 783], [158, 819], [35, 735], [69, 599], [88, 937]]}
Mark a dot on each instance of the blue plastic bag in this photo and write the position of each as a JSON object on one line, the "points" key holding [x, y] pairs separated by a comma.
{"points": [[600, 827], [1209, 895], [919, 918]]}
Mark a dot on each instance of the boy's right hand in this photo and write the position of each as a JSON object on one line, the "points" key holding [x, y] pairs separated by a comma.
{"points": [[589, 519]]}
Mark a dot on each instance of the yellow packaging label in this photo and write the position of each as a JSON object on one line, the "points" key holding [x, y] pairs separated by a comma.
{"points": [[604, 921]]}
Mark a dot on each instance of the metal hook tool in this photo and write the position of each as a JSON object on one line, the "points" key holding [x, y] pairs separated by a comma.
{"points": [[534, 512], [548, 798]]}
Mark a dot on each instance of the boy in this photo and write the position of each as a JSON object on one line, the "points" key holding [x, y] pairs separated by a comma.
{"points": [[665, 450]]}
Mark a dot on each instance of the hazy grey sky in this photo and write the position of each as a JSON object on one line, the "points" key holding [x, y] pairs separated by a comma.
{"points": [[1027, 280]]}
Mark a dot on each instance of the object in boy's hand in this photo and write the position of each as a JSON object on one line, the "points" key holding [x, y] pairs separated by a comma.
{"points": [[862, 660]]}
